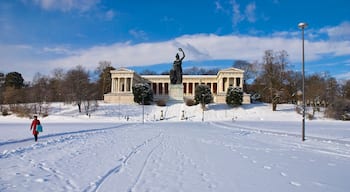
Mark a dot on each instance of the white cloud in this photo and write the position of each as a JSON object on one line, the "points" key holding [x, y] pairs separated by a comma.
{"points": [[343, 76], [199, 47], [61, 50], [218, 6], [236, 17], [138, 34], [202, 47], [340, 32], [66, 5], [250, 12], [110, 15], [287, 34]]}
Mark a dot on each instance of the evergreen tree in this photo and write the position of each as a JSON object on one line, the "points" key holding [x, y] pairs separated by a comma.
{"points": [[203, 95], [142, 93], [234, 96], [14, 79]]}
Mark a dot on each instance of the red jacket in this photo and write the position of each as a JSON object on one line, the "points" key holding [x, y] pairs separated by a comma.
{"points": [[35, 122]]}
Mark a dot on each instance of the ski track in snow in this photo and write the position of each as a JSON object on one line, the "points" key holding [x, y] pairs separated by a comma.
{"points": [[151, 155], [62, 134], [95, 186], [153, 151], [132, 188], [245, 131], [52, 139], [248, 130]]}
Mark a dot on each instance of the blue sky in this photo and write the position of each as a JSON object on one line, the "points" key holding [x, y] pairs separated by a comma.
{"points": [[43, 35]]}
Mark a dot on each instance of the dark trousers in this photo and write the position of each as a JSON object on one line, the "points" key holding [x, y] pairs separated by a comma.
{"points": [[36, 137]]}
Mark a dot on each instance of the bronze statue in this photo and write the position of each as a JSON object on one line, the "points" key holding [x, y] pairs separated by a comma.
{"points": [[176, 71]]}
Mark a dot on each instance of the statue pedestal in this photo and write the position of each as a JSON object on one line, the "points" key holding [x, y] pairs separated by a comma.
{"points": [[176, 92]]}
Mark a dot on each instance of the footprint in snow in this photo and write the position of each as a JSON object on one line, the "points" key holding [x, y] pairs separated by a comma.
{"points": [[40, 180], [295, 183], [5, 152], [28, 175], [284, 174], [267, 167]]}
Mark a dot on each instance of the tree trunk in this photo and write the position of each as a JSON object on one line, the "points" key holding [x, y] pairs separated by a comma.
{"points": [[274, 106], [79, 107]]}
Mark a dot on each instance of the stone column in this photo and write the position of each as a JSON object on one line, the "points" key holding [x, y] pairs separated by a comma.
{"points": [[112, 86], [120, 84], [125, 84], [116, 85], [131, 83]]}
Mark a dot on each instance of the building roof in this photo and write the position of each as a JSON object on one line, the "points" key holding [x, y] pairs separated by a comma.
{"points": [[231, 69]]}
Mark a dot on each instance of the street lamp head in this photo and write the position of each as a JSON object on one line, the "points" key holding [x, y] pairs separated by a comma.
{"points": [[302, 25]]}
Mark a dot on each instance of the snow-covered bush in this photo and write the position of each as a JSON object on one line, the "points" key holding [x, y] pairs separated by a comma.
{"points": [[142, 93], [203, 95], [234, 96]]}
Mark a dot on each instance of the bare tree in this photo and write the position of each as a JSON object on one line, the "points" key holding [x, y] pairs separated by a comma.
{"points": [[321, 88], [292, 83], [13, 96], [200, 71], [148, 72], [56, 86], [250, 69], [40, 86], [332, 89], [77, 86], [345, 90], [273, 76], [39, 93], [105, 80]]}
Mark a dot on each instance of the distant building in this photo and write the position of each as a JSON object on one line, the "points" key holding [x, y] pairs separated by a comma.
{"points": [[123, 79]]}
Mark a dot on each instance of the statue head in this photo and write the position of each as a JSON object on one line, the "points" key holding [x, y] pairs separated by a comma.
{"points": [[177, 56]]}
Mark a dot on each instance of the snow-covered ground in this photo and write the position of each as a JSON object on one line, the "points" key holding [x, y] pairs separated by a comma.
{"points": [[249, 148]]}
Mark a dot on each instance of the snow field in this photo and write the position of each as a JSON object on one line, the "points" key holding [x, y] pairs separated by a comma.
{"points": [[85, 154]]}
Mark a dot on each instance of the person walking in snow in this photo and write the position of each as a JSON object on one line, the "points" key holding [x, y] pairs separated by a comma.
{"points": [[33, 126]]}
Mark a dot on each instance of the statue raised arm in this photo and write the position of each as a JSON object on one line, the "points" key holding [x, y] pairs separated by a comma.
{"points": [[183, 54], [176, 72]]}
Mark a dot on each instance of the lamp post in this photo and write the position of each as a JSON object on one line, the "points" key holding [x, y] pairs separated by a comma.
{"points": [[143, 107], [203, 106], [302, 26]]}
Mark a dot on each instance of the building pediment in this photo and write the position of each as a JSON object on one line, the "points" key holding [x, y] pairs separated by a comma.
{"points": [[230, 70], [122, 70]]}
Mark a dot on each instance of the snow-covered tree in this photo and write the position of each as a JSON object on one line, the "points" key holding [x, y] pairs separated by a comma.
{"points": [[142, 93], [234, 96], [203, 95]]}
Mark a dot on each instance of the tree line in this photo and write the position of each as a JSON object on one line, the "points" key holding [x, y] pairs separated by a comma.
{"points": [[270, 80], [274, 82], [75, 86]]}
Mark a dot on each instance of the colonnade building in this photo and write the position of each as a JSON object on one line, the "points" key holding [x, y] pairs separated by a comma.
{"points": [[123, 79]]}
